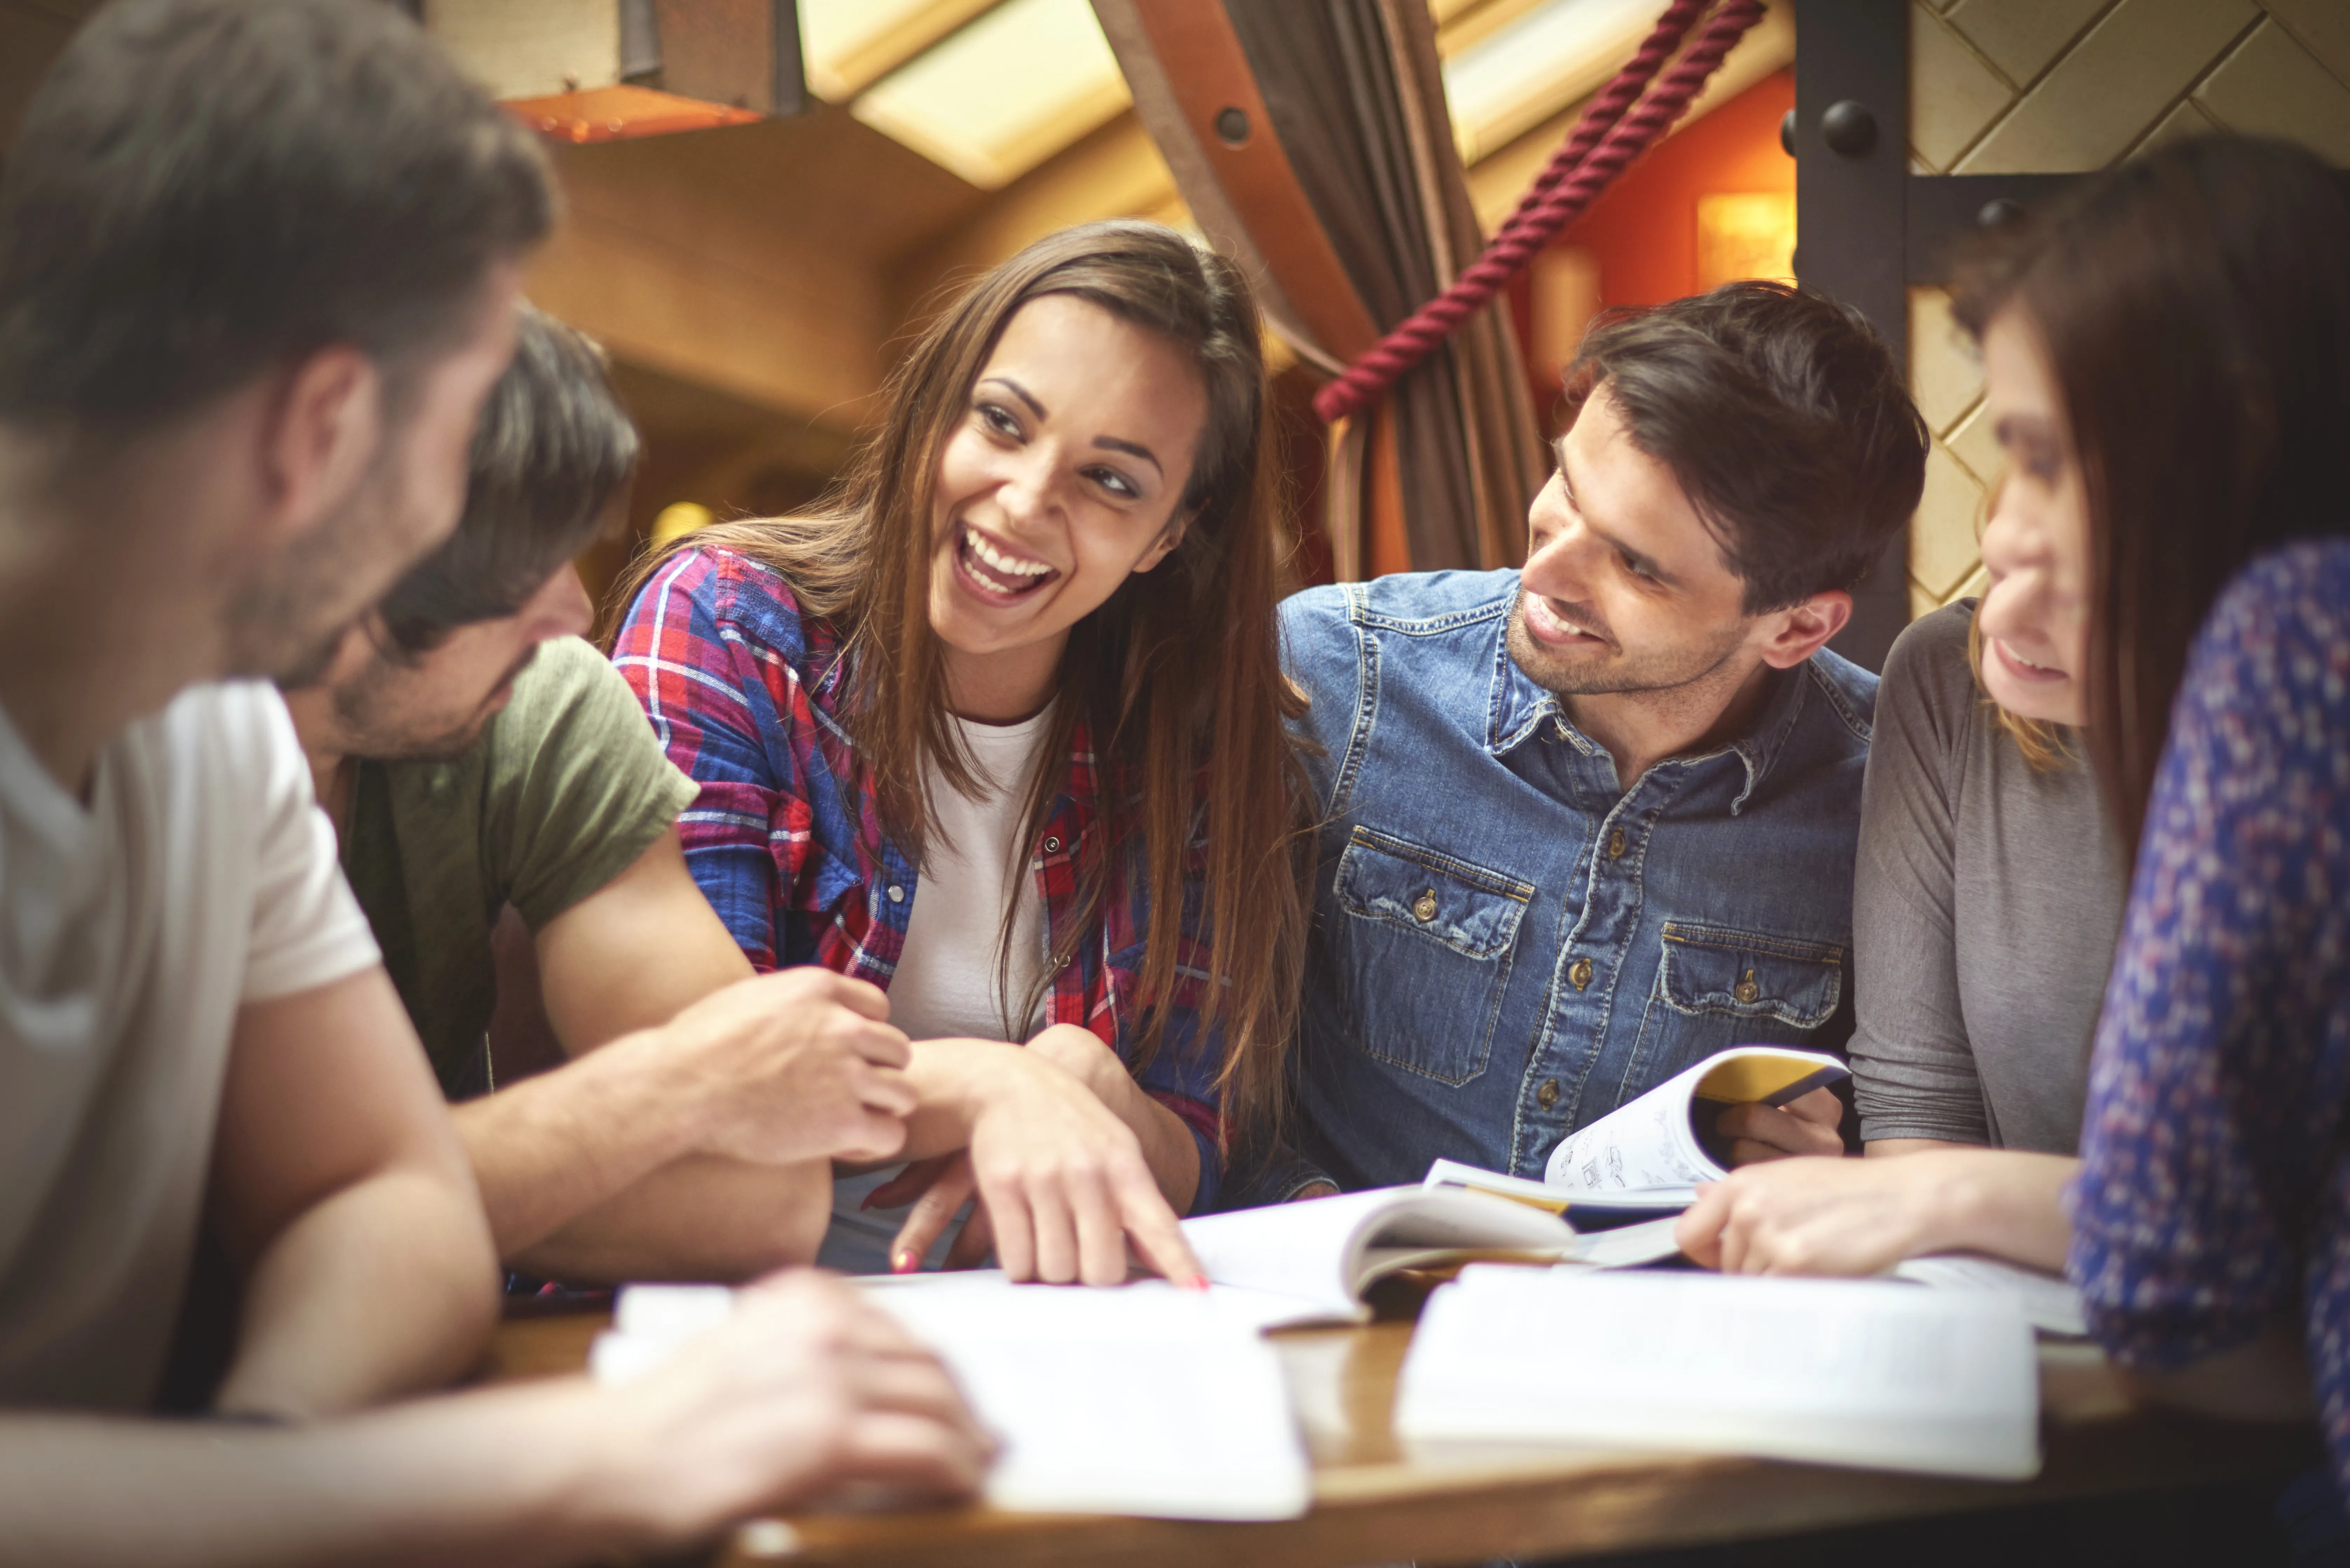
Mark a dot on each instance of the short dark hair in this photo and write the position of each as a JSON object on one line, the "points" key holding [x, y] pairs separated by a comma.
{"points": [[552, 448], [204, 189], [1781, 415], [2195, 307]]}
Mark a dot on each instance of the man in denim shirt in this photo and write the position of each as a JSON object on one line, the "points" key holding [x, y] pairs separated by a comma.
{"points": [[1590, 823]]}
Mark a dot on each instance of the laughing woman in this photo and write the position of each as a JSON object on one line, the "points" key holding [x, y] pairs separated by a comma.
{"points": [[954, 735]]}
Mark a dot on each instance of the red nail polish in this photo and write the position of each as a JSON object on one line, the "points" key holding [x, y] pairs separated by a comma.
{"points": [[903, 1263]]}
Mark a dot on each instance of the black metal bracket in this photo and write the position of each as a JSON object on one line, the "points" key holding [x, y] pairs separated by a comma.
{"points": [[1851, 145]]}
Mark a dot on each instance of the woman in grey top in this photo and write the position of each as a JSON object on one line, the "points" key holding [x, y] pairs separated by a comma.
{"points": [[1987, 900]]}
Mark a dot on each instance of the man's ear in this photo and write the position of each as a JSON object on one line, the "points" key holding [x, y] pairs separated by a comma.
{"points": [[319, 435], [1169, 537], [1802, 630]]}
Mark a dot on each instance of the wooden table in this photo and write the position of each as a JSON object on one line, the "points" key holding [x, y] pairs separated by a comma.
{"points": [[1376, 1500]]}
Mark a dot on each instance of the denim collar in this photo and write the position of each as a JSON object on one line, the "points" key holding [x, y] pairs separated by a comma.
{"points": [[1520, 707]]}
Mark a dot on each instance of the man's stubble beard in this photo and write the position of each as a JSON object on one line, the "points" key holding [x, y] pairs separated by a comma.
{"points": [[270, 628], [1664, 671], [360, 714]]}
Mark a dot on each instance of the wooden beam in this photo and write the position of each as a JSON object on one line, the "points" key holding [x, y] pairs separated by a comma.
{"points": [[810, 351], [749, 260], [1115, 172]]}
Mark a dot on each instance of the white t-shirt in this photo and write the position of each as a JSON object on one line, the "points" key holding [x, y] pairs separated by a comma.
{"points": [[946, 982], [199, 876]]}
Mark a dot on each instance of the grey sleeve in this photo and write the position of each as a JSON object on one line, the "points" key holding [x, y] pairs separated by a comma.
{"points": [[1913, 1072]]}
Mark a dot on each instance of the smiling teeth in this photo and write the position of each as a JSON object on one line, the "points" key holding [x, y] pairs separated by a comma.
{"points": [[2043, 669], [1010, 565]]}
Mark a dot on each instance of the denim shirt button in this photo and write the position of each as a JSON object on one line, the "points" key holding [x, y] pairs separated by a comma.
{"points": [[1423, 909], [896, 894], [1580, 973], [1615, 844], [1547, 1095], [1746, 989]]}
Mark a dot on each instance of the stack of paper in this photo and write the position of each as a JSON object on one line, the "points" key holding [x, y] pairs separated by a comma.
{"points": [[1844, 1372], [1144, 1400]]}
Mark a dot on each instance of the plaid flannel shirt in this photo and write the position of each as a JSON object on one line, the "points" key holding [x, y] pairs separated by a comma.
{"points": [[784, 839]]}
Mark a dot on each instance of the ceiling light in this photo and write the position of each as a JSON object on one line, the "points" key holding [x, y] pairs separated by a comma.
{"points": [[1004, 93]]}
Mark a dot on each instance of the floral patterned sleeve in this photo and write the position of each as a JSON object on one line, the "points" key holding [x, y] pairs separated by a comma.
{"points": [[2214, 1195]]}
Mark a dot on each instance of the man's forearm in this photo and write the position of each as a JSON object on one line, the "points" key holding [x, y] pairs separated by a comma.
{"points": [[702, 1218], [382, 1289], [491, 1478], [554, 1146]]}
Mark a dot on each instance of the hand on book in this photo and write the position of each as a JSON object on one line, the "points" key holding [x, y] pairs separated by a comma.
{"points": [[1805, 1124], [1845, 1217], [805, 1392], [1061, 1181]]}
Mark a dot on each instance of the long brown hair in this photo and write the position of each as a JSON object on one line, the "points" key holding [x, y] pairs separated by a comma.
{"points": [[1178, 676], [2195, 306]]}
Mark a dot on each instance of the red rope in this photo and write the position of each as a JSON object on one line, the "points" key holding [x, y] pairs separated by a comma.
{"points": [[1601, 147], [1607, 107]]}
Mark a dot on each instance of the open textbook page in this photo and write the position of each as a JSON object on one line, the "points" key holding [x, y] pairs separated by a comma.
{"points": [[1570, 1202], [1135, 1400], [1323, 1252], [1865, 1373], [2049, 1302], [1665, 1138]]}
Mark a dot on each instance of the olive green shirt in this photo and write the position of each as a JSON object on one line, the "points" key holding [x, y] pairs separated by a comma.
{"points": [[562, 793]]}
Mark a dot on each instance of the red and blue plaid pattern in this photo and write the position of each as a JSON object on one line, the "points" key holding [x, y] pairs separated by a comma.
{"points": [[744, 691]]}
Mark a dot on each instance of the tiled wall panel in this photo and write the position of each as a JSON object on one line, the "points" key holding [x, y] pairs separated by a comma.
{"points": [[2061, 87]]}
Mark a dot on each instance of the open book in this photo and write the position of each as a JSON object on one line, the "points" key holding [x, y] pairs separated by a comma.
{"points": [[1323, 1252], [1647, 1156], [1147, 1400], [1863, 1373], [1666, 1137]]}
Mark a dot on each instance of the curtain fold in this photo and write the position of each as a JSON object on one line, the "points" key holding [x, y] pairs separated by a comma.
{"points": [[1310, 140]]}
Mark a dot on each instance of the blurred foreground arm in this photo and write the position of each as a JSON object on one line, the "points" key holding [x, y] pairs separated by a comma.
{"points": [[804, 1389]]}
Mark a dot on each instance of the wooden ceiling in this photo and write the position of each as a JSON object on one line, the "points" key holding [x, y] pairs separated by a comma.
{"points": [[750, 281]]}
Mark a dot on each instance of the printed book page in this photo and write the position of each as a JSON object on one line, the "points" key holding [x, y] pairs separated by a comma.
{"points": [[1130, 1400], [1325, 1251], [1653, 1142], [2050, 1302], [1555, 1200], [1865, 1373]]}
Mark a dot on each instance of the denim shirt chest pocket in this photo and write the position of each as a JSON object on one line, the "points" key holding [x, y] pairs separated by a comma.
{"points": [[1432, 937], [1747, 982]]}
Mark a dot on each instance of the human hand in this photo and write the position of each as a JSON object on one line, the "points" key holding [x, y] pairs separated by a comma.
{"points": [[1845, 1217], [1061, 1181], [1805, 1124], [795, 1066], [805, 1390], [940, 1187]]}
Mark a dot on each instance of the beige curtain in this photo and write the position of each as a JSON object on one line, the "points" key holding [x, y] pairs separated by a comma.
{"points": [[1311, 141]]}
